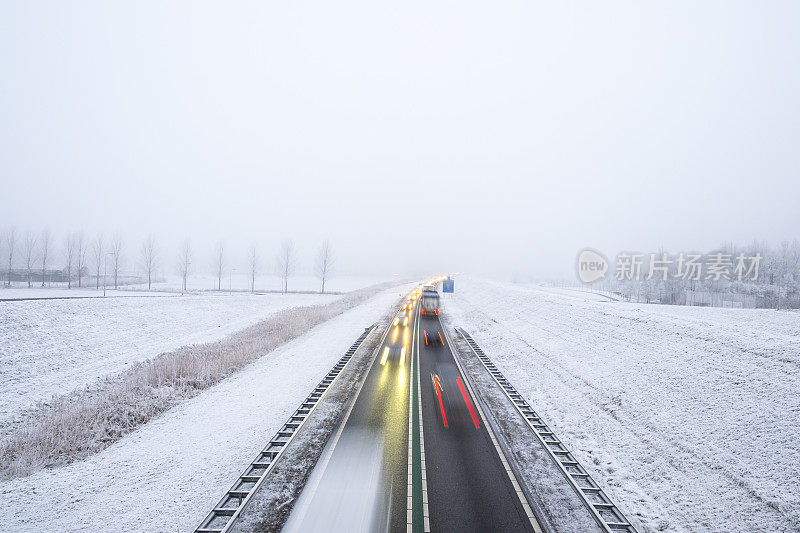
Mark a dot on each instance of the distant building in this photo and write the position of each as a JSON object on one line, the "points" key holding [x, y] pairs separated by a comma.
{"points": [[20, 275]]}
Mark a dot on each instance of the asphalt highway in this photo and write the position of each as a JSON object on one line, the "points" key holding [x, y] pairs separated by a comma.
{"points": [[371, 475]]}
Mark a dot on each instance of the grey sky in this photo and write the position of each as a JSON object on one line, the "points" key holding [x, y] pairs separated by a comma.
{"points": [[472, 136]]}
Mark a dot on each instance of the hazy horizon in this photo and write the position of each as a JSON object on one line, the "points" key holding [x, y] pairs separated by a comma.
{"points": [[430, 137]]}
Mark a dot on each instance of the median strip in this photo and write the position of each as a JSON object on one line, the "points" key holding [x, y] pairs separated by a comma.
{"points": [[417, 509]]}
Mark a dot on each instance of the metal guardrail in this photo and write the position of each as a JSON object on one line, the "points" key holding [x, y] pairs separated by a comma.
{"points": [[605, 512], [227, 511]]}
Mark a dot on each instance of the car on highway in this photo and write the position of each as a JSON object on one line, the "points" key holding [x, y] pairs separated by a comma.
{"points": [[433, 337], [401, 319]]}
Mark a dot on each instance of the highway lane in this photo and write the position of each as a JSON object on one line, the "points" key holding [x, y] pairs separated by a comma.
{"points": [[468, 486], [360, 481]]}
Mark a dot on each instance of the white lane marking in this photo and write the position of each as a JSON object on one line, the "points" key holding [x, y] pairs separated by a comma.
{"points": [[410, 501], [425, 515], [521, 495]]}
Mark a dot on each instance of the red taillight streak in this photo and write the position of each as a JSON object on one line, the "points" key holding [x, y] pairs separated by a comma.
{"points": [[441, 405], [440, 338], [426, 337], [469, 403]]}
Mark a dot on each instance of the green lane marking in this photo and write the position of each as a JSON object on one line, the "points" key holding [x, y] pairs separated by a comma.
{"points": [[416, 487]]}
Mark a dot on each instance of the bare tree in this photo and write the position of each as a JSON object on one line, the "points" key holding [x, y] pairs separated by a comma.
{"points": [[11, 244], [253, 266], [220, 262], [30, 251], [45, 246], [184, 263], [69, 250], [81, 248], [788, 262], [116, 254], [286, 263], [97, 250], [149, 258], [325, 260]]}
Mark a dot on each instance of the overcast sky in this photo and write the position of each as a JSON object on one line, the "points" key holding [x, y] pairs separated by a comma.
{"points": [[489, 137]]}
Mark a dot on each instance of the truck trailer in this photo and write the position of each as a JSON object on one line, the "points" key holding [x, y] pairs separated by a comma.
{"points": [[429, 303]]}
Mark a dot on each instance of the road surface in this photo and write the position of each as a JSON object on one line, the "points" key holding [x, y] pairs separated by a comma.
{"points": [[370, 475]]}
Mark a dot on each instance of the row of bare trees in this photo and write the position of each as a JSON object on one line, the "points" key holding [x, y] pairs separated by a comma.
{"points": [[286, 263], [36, 249], [774, 280], [107, 258]]}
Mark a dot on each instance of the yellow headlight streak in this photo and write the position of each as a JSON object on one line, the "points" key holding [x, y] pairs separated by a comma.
{"points": [[385, 355], [394, 335], [403, 356]]}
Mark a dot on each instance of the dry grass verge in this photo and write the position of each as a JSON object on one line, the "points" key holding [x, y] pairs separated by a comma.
{"points": [[72, 426]]}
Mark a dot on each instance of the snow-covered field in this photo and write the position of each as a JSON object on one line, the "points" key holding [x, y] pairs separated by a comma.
{"points": [[573, 293], [169, 284], [690, 417], [268, 282], [53, 346], [58, 292], [169, 473]]}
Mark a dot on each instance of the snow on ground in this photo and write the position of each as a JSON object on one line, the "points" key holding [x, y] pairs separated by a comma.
{"points": [[690, 417], [169, 284], [266, 282], [573, 292], [167, 475], [53, 346], [39, 293]]}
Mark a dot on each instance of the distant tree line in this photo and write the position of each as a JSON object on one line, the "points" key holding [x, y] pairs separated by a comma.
{"points": [[35, 259], [771, 277]]}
